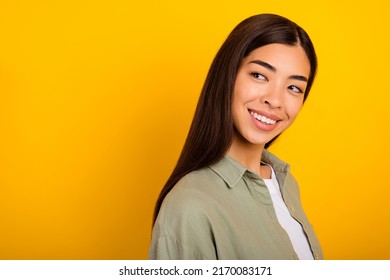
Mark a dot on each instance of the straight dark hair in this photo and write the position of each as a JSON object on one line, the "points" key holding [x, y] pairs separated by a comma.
{"points": [[211, 131]]}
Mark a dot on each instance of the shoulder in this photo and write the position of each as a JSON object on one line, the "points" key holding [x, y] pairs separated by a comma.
{"points": [[194, 201], [194, 191], [183, 227]]}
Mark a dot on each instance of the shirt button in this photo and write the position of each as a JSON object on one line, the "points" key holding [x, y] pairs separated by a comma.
{"points": [[316, 256], [292, 208]]}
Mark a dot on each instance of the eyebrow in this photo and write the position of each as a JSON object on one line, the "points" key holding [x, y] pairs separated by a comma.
{"points": [[273, 69]]}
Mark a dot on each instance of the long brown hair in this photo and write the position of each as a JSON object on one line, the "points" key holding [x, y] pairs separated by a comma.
{"points": [[211, 131]]}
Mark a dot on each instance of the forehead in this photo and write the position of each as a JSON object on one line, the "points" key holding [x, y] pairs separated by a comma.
{"points": [[284, 58]]}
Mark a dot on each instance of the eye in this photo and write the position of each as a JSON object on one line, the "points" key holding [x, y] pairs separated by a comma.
{"points": [[258, 76], [295, 89]]}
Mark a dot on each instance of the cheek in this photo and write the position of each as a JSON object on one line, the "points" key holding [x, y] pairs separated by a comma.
{"points": [[238, 100], [294, 109], [243, 96], [244, 90]]}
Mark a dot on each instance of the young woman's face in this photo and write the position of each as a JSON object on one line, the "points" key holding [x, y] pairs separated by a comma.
{"points": [[269, 91]]}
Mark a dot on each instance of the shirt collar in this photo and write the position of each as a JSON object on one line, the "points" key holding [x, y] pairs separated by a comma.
{"points": [[231, 171], [277, 164]]}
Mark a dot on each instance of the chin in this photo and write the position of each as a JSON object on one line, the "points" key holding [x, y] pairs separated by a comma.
{"points": [[254, 138], [260, 139], [258, 142]]}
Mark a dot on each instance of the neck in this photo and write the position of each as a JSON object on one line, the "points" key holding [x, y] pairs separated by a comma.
{"points": [[249, 155]]}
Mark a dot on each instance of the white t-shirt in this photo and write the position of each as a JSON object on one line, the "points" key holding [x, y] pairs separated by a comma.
{"points": [[291, 226]]}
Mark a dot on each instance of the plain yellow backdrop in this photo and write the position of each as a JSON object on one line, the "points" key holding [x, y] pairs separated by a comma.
{"points": [[96, 98]]}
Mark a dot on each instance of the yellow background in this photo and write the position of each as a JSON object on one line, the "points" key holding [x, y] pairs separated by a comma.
{"points": [[96, 98]]}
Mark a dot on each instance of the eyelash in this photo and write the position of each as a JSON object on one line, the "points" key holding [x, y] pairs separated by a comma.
{"points": [[295, 87], [257, 75]]}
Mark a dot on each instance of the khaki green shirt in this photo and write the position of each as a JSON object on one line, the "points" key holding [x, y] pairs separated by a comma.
{"points": [[225, 211]]}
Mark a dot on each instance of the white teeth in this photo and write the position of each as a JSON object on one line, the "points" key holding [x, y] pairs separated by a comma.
{"points": [[262, 118]]}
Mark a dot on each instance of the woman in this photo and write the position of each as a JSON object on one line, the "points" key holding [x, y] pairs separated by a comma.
{"points": [[228, 197]]}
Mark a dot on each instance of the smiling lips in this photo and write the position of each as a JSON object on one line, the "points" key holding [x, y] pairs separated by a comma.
{"points": [[262, 118]]}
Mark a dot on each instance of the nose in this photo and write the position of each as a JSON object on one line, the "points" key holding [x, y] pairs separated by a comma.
{"points": [[273, 96]]}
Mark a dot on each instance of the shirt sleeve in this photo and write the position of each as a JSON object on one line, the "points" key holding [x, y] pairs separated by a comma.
{"points": [[167, 248], [183, 227]]}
